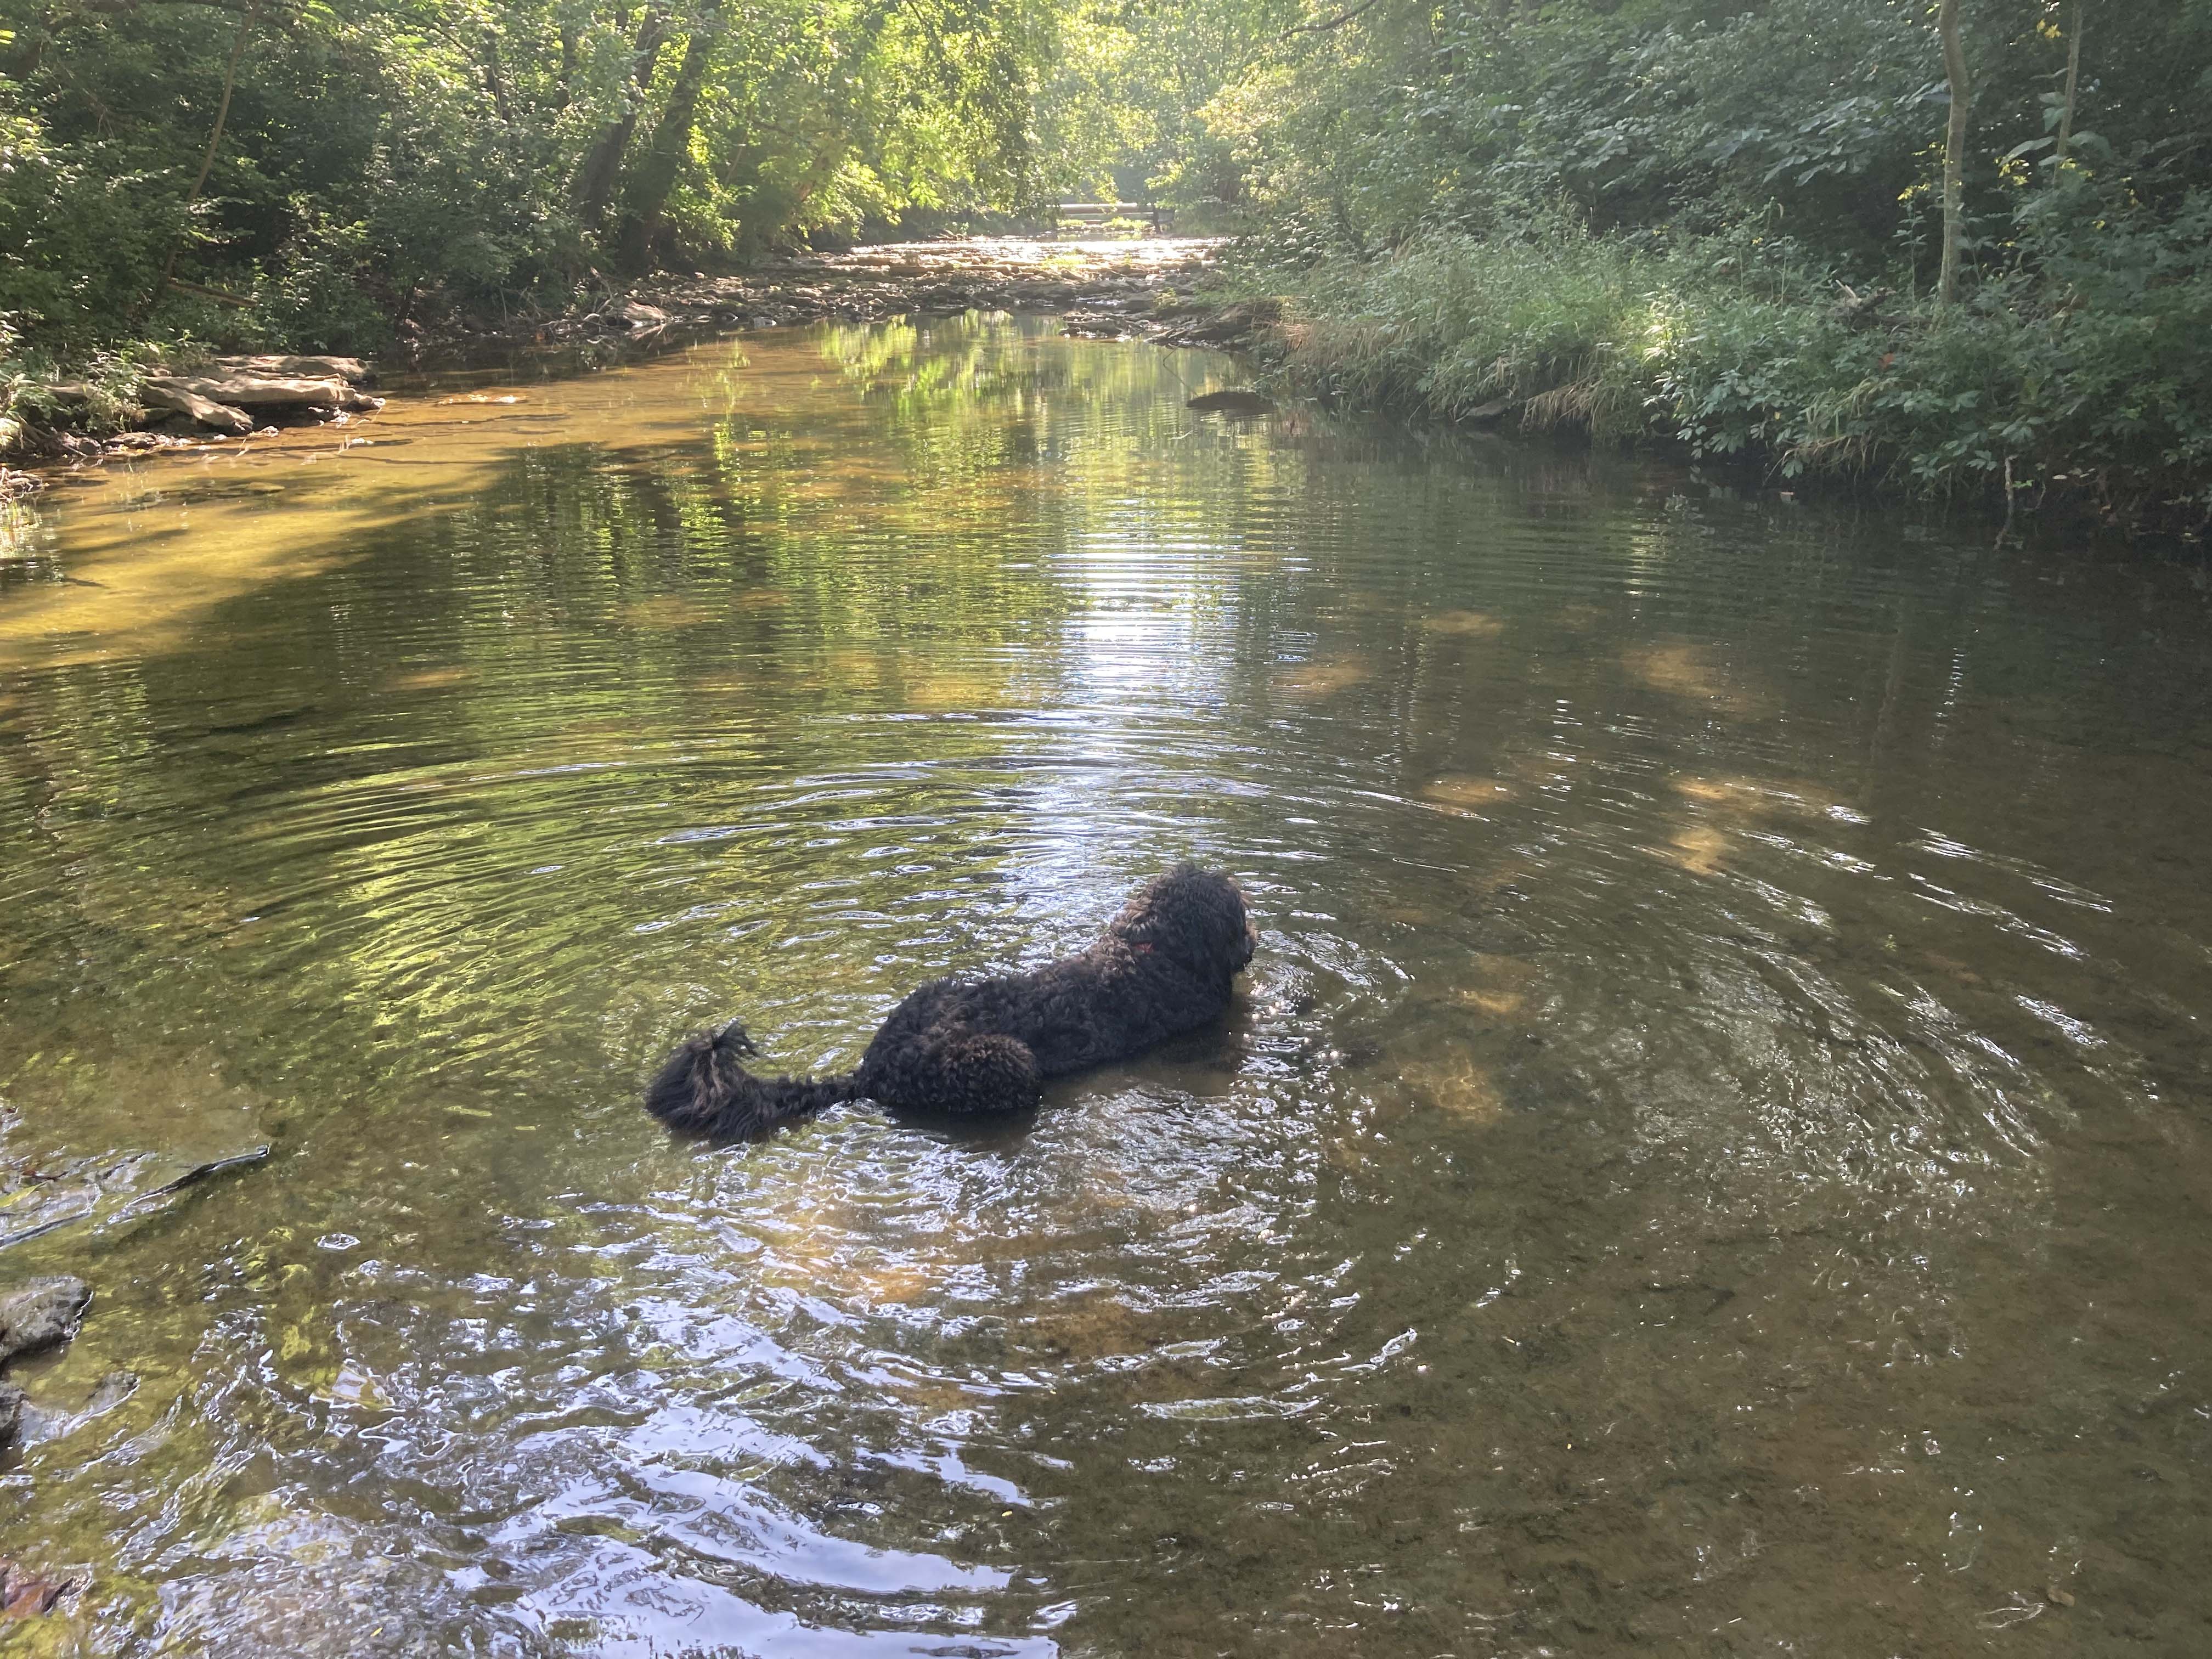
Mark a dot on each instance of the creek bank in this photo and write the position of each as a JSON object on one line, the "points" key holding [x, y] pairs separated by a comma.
{"points": [[231, 397], [1304, 349], [2078, 413], [1112, 289]]}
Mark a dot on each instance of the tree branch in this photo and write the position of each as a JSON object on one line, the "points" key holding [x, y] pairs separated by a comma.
{"points": [[113, 7], [279, 16], [1337, 22]]}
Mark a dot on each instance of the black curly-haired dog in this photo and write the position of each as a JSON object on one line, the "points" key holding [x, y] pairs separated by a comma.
{"points": [[1164, 965]]}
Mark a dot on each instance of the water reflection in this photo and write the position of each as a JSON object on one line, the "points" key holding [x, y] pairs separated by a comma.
{"points": [[1707, 1159]]}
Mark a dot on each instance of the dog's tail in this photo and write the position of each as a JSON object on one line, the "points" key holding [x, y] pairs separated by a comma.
{"points": [[704, 1091]]}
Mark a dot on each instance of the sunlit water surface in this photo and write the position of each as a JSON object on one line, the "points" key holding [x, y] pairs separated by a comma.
{"points": [[1712, 1158]]}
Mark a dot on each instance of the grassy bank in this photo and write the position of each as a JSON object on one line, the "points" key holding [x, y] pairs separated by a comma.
{"points": [[2089, 382]]}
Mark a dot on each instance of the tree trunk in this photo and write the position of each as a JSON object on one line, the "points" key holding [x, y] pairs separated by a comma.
{"points": [[1955, 150], [2073, 80], [654, 177], [496, 81], [207, 161], [595, 178]]}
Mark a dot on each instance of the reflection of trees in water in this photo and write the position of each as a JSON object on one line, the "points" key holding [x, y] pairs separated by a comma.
{"points": [[836, 548], [393, 738]]}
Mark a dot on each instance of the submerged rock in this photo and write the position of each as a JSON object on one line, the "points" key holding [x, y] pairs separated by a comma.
{"points": [[111, 1391], [1232, 401], [25, 1595], [37, 1315], [40, 1313]]}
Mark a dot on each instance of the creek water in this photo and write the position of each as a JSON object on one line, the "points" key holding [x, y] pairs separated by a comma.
{"points": [[1711, 1158]]}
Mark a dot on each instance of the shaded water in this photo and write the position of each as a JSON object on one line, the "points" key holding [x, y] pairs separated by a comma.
{"points": [[1711, 1159]]}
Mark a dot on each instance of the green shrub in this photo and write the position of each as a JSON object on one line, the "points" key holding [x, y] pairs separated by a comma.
{"points": [[2087, 368]]}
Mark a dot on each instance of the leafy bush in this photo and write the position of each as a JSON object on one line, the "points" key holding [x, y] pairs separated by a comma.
{"points": [[2087, 368], [79, 250]]}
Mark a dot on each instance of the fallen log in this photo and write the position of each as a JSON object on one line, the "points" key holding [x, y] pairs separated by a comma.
{"points": [[219, 295]]}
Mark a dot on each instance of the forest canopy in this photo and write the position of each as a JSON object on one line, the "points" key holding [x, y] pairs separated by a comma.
{"points": [[362, 160], [343, 162], [1967, 237], [1960, 245]]}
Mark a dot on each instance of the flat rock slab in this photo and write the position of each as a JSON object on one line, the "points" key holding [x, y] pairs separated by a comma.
{"points": [[39, 1314], [257, 391], [221, 417], [350, 369]]}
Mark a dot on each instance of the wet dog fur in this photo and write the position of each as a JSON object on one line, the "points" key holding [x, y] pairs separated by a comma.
{"points": [[1165, 964]]}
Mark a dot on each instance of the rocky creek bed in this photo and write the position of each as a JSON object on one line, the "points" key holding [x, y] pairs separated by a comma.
{"points": [[1106, 290]]}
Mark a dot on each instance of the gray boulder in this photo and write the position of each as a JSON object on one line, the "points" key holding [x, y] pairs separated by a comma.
{"points": [[40, 1313]]}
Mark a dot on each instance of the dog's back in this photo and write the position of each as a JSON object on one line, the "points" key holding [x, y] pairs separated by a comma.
{"points": [[1166, 963]]}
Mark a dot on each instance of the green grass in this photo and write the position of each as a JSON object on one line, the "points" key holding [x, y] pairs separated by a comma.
{"points": [[2089, 381]]}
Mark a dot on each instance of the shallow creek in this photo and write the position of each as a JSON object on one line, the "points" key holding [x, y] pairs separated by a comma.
{"points": [[1712, 1158]]}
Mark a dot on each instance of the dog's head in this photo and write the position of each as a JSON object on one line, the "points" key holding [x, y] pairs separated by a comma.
{"points": [[1193, 916]]}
